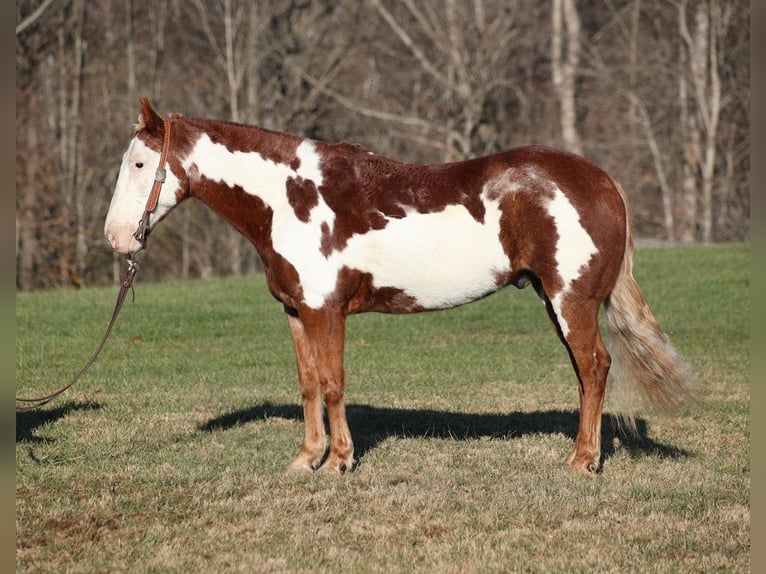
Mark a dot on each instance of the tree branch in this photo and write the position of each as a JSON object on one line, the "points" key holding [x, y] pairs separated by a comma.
{"points": [[407, 41], [33, 17]]}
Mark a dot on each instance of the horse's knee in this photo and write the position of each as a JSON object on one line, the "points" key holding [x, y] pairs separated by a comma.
{"points": [[603, 361], [591, 361], [332, 392]]}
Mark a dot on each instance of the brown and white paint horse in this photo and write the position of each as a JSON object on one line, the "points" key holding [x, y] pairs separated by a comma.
{"points": [[342, 230]]}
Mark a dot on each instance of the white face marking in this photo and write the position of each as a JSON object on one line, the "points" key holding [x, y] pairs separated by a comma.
{"points": [[574, 248], [134, 184]]}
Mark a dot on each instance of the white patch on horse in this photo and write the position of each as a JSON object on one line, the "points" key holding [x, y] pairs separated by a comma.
{"points": [[249, 170], [297, 241], [574, 248], [441, 259], [310, 162]]}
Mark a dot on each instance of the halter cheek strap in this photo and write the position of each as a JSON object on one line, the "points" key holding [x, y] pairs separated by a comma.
{"points": [[142, 231]]}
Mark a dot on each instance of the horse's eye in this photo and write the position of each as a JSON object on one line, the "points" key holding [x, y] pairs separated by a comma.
{"points": [[139, 164]]}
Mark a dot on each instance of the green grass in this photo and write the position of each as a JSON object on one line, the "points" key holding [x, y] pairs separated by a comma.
{"points": [[169, 456]]}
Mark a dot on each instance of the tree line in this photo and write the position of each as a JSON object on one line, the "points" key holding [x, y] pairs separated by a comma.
{"points": [[656, 92]]}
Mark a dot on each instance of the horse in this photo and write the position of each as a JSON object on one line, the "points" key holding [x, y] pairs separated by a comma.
{"points": [[343, 230]]}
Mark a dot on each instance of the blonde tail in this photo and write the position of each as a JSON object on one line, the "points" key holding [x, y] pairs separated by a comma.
{"points": [[643, 358]]}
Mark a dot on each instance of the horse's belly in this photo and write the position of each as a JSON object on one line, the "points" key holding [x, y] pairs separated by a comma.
{"points": [[440, 260]]}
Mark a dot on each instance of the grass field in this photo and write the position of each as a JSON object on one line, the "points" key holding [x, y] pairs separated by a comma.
{"points": [[170, 455]]}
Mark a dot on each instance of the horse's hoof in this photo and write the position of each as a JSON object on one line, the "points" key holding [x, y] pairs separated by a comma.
{"points": [[335, 467], [586, 468], [301, 466]]}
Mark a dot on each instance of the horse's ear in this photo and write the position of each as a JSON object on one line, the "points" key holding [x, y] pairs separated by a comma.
{"points": [[148, 119]]}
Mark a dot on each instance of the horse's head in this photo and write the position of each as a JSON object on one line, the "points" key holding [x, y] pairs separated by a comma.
{"points": [[134, 184]]}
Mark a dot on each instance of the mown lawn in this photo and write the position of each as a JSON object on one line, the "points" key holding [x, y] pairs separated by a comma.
{"points": [[170, 455]]}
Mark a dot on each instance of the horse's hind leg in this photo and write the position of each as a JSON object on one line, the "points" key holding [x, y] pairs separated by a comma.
{"points": [[577, 324]]}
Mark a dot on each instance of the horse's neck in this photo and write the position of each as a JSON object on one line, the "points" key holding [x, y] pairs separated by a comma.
{"points": [[242, 173], [244, 139]]}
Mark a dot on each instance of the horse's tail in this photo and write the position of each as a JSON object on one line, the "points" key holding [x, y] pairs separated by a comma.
{"points": [[643, 358]]}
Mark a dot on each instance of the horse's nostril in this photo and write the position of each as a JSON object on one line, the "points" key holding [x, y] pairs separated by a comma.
{"points": [[112, 241]]}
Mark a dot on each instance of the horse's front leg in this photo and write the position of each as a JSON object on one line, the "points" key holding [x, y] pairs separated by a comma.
{"points": [[326, 331], [314, 443]]}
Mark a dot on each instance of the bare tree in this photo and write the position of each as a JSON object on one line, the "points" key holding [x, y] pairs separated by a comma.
{"points": [[26, 226], [641, 116], [628, 82], [701, 103], [565, 58], [33, 17], [227, 36], [74, 176], [454, 51]]}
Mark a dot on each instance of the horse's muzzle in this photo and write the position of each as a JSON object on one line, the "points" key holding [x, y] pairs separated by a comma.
{"points": [[122, 240]]}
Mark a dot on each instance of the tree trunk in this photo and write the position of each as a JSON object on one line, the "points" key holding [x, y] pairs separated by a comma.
{"points": [[233, 78], [73, 252], [711, 123], [687, 204], [26, 227], [668, 218], [701, 111], [78, 176], [564, 67], [131, 98]]}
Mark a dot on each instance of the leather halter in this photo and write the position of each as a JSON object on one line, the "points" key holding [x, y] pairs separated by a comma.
{"points": [[127, 280], [142, 231]]}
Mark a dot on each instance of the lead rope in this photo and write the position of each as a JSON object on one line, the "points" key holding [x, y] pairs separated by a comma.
{"points": [[127, 279], [127, 282]]}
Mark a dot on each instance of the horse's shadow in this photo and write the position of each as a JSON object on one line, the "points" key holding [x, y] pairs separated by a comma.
{"points": [[372, 425], [28, 422]]}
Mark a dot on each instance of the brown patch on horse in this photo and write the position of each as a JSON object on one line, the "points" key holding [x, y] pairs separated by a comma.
{"points": [[399, 188], [600, 209], [183, 139], [346, 226], [355, 290], [231, 202], [303, 197], [364, 190], [528, 233], [346, 196]]}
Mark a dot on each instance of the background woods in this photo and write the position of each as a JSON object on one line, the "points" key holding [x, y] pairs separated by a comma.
{"points": [[655, 92]]}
